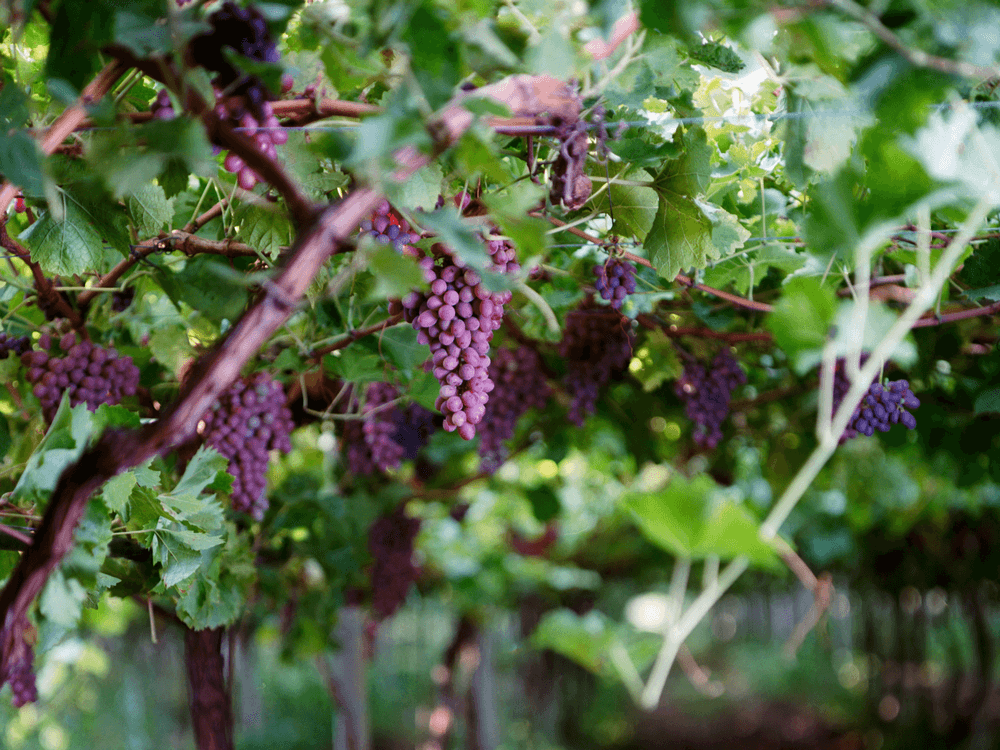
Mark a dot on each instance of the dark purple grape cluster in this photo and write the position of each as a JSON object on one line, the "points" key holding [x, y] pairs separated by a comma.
{"points": [[247, 422], [89, 373], [384, 437], [597, 346], [121, 300], [16, 344], [241, 30], [706, 394], [388, 229], [379, 426], [241, 99], [457, 319], [519, 384], [162, 108], [21, 676], [880, 408], [390, 542], [615, 280]]}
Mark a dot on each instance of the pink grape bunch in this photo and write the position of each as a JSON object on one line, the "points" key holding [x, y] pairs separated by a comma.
{"points": [[241, 99], [880, 408], [519, 384], [457, 319], [615, 280], [386, 228], [393, 572], [597, 346], [245, 424], [90, 374], [706, 393]]}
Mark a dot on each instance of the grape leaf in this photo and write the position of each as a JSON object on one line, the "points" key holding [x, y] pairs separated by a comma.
{"points": [[150, 209], [634, 206], [67, 247], [264, 230]]}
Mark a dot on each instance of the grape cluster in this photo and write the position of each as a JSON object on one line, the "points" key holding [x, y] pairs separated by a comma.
{"points": [[388, 229], [265, 130], [89, 373], [457, 319], [380, 426], [242, 30], [518, 385], [390, 542], [19, 205], [615, 280], [162, 108], [16, 344], [241, 99], [384, 437], [706, 393], [21, 676], [247, 422], [596, 345], [880, 408], [121, 300]]}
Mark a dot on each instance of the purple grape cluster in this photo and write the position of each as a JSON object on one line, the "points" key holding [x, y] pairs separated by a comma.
{"points": [[706, 394], [519, 384], [388, 229], [384, 437], [21, 676], [122, 300], [615, 280], [880, 408], [89, 373], [162, 108], [379, 426], [597, 346], [242, 30], [390, 542], [16, 344], [457, 319], [241, 99], [247, 422]]}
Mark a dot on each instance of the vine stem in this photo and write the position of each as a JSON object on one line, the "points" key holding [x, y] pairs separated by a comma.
{"points": [[923, 300], [676, 635]]}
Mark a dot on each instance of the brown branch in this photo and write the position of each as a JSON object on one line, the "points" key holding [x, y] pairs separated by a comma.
{"points": [[916, 57], [118, 450], [140, 251], [208, 697], [648, 321], [352, 336], [212, 213], [976, 312], [822, 590], [680, 278], [69, 120]]}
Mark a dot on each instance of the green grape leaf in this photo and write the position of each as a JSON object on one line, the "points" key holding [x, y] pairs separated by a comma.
{"points": [[634, 206], [801, 320], [264, 230], [673, 517], [731, 531], [420, 191], [150, 208], [19, 159], [68, 246], [717, 56]]}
